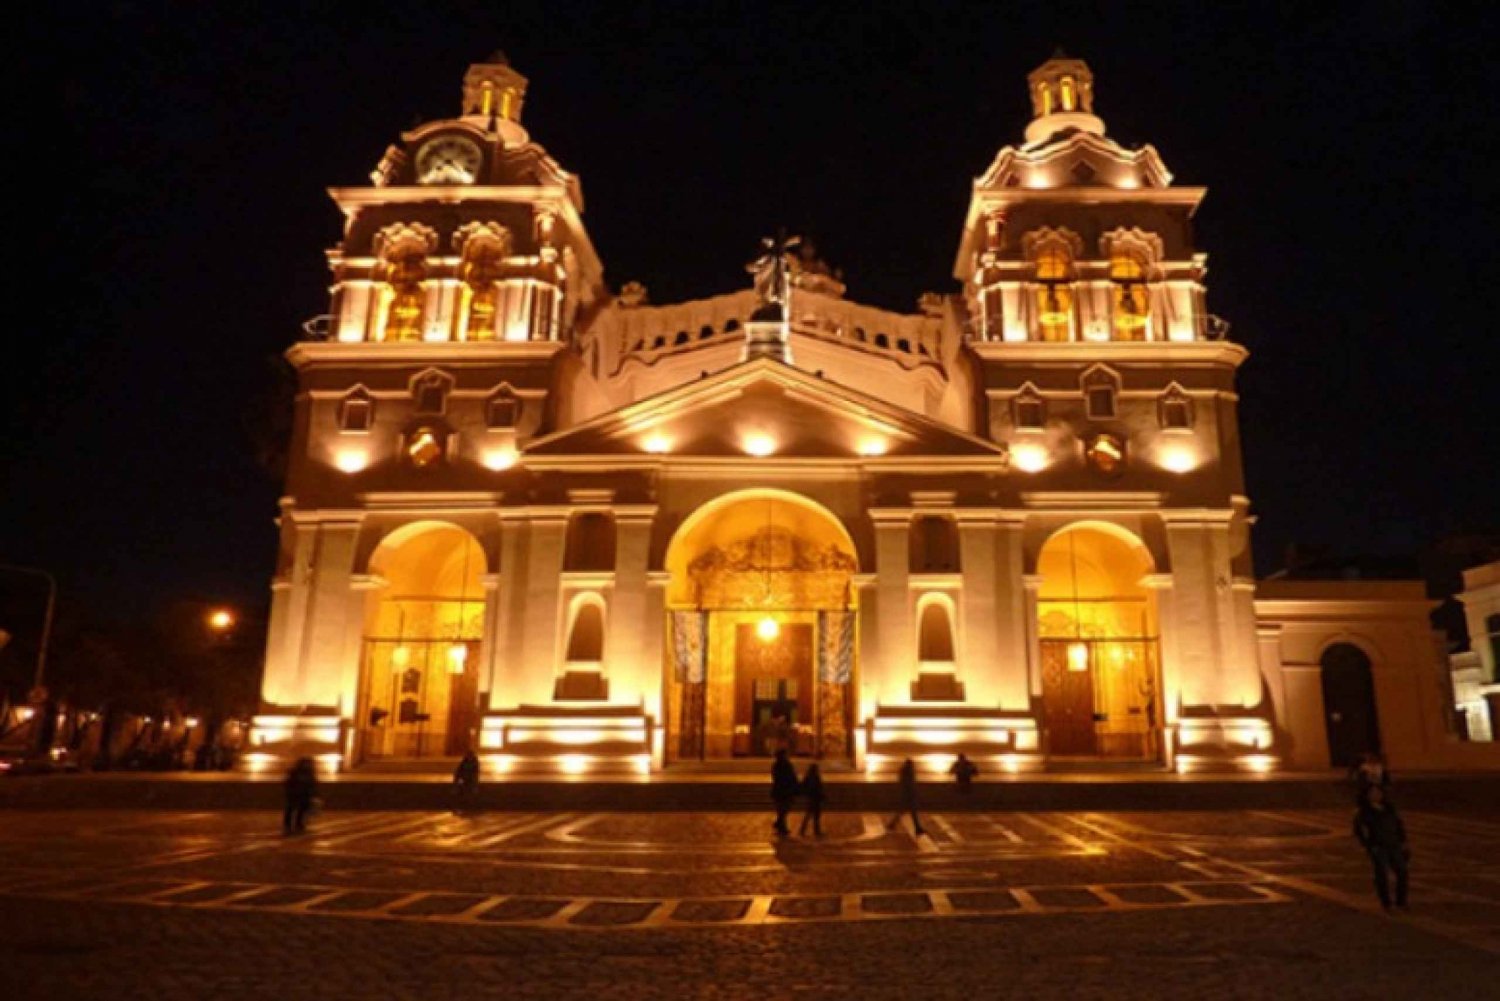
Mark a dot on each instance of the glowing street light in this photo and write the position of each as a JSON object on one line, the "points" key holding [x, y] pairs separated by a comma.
{"points": [[221, 620]]}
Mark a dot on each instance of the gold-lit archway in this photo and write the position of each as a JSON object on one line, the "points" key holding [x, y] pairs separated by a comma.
{"points": [[1097, 625], [761, 621], [419, 691]]}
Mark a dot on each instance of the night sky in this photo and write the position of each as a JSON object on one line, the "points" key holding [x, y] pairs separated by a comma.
{"points": [[1350, 223]]}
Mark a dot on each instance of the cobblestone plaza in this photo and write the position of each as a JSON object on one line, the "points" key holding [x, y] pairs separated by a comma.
{"points": [[643, 905]]}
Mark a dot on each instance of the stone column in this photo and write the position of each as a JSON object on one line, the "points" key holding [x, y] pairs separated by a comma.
{"points": [[541, 606], [489, 643], [1015, 618], [510, 612], [325, 649], [980, 666], [632, 674], [892, 668], [1212, 627]]}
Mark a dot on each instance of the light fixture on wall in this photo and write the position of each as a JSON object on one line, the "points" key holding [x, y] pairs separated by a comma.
{"points": [[1078, 650]]}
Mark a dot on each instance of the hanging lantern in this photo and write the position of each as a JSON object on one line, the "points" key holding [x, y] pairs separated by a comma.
{"points": [[399, 657], [458, 655], [767, 629], [1078, 656]]}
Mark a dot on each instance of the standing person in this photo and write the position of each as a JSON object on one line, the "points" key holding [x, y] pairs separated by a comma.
{"points": [[1371, 773], [466, 780], [906, 781], [963, 771], [812, 788], [301, 788], [1380, 832], [783, 790]]}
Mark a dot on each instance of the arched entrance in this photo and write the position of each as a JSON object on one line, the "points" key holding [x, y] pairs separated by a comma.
{"points": [[761, 628], [419, 690], [1097, 625], [1349, 704]]}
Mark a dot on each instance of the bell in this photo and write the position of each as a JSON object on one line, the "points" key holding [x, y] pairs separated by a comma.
{"points": [[1129, 312], [1054, 306]]}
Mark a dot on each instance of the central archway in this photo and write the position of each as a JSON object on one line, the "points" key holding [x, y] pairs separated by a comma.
{"points": [[761, 618], [1097, 628]]}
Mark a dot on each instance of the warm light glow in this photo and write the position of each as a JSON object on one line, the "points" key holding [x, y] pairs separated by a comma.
{"points": [[458, 655], [759, 444], [25, 713], [768, 629], [873, 446], [657, 443], [500, 459], [351, 460], [220, 619], [190, 722], [1078, 656], [1028, 458], [1178, 458], [399, 657]]}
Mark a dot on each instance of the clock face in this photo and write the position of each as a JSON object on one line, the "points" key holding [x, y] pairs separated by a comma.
{"points": [[448, 160]]}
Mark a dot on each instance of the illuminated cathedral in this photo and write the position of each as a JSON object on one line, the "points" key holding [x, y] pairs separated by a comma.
{"points": [[586, 534]]}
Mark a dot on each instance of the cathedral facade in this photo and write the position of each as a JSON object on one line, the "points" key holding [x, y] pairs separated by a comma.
{"points": [[582, 533]]}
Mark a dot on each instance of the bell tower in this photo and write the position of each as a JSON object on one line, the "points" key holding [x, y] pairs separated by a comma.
{"points": [[1062, 97]]}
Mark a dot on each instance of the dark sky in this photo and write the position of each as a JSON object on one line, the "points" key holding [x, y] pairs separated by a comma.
{"points": [[1351, 227]]}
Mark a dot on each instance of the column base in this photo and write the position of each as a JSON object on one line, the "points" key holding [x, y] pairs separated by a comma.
{"points": [[933, 734], [277, 739], [576, 740], [1217, 743]]}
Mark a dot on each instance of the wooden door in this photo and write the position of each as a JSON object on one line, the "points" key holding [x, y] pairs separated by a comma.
{"points": [[1067, 703], [463, 705], [1349, 704], [773, 680]]}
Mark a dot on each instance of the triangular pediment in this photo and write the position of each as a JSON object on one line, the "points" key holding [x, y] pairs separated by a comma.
{"points": [[763, 409]]}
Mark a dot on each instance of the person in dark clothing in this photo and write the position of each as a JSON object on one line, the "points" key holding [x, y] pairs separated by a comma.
{"points": [[906, 781], [466, 780], [963, 771], [783, 790], [1379, 830], [812, 789], [301, 788], [1370, 773]]}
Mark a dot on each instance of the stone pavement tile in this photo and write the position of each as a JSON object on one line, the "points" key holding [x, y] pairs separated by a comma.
{"points": [[438, 904], [1471, 887], [1222, 891], [711, 910], [615, 912], [1146, 894], [280, 896], [523, 909], [1467, 915], [139, 888], [806, 907], [204, 894], [358, 900], [983, 900], [1065, 896], [896, 903]]}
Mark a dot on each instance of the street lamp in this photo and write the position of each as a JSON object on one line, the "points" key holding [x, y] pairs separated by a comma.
{"points": [[220, 620], [41, 652]]}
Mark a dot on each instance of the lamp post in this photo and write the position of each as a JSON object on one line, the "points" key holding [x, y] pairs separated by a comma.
{"points": [[41, 653]]}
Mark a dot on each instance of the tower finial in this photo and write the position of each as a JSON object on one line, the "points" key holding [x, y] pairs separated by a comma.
{"points": [[1062, 97]]}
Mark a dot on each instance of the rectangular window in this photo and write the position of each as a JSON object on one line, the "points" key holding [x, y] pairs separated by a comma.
{"points": [[1031, 414], [356, 415], [1101, 403]]}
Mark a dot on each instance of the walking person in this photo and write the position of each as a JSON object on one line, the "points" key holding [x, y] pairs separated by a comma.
{"points": [[1371, 772], [812, 789], [963, 771], [301, 787], [906, 781], [783, 790], [466, 781], [1380, 832]]}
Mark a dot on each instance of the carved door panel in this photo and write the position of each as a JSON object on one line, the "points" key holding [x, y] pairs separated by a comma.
{"points": [[1067, 702]]}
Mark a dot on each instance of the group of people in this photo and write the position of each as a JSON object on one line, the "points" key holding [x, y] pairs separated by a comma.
{"points": [[786, 787], [1379, 830]]}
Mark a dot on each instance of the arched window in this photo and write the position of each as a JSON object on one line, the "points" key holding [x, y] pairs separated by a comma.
{"points": [[1054, 293], [1175, 411], [586, 640], [934, 545], [1029, 410], [356, 411], [935, 634], [1099, 389], [1068, 93], [430, 393], [1130, 304], [591, 542], [404, 273], [502, 410], [481, 272]]}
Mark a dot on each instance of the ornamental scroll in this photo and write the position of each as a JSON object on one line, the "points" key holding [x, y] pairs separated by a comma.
{"points": [[772, 568], [835, 672], [689, 673]]}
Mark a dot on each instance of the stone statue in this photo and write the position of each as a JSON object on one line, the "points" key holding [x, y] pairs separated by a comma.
{"points": [[771, 271]]}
